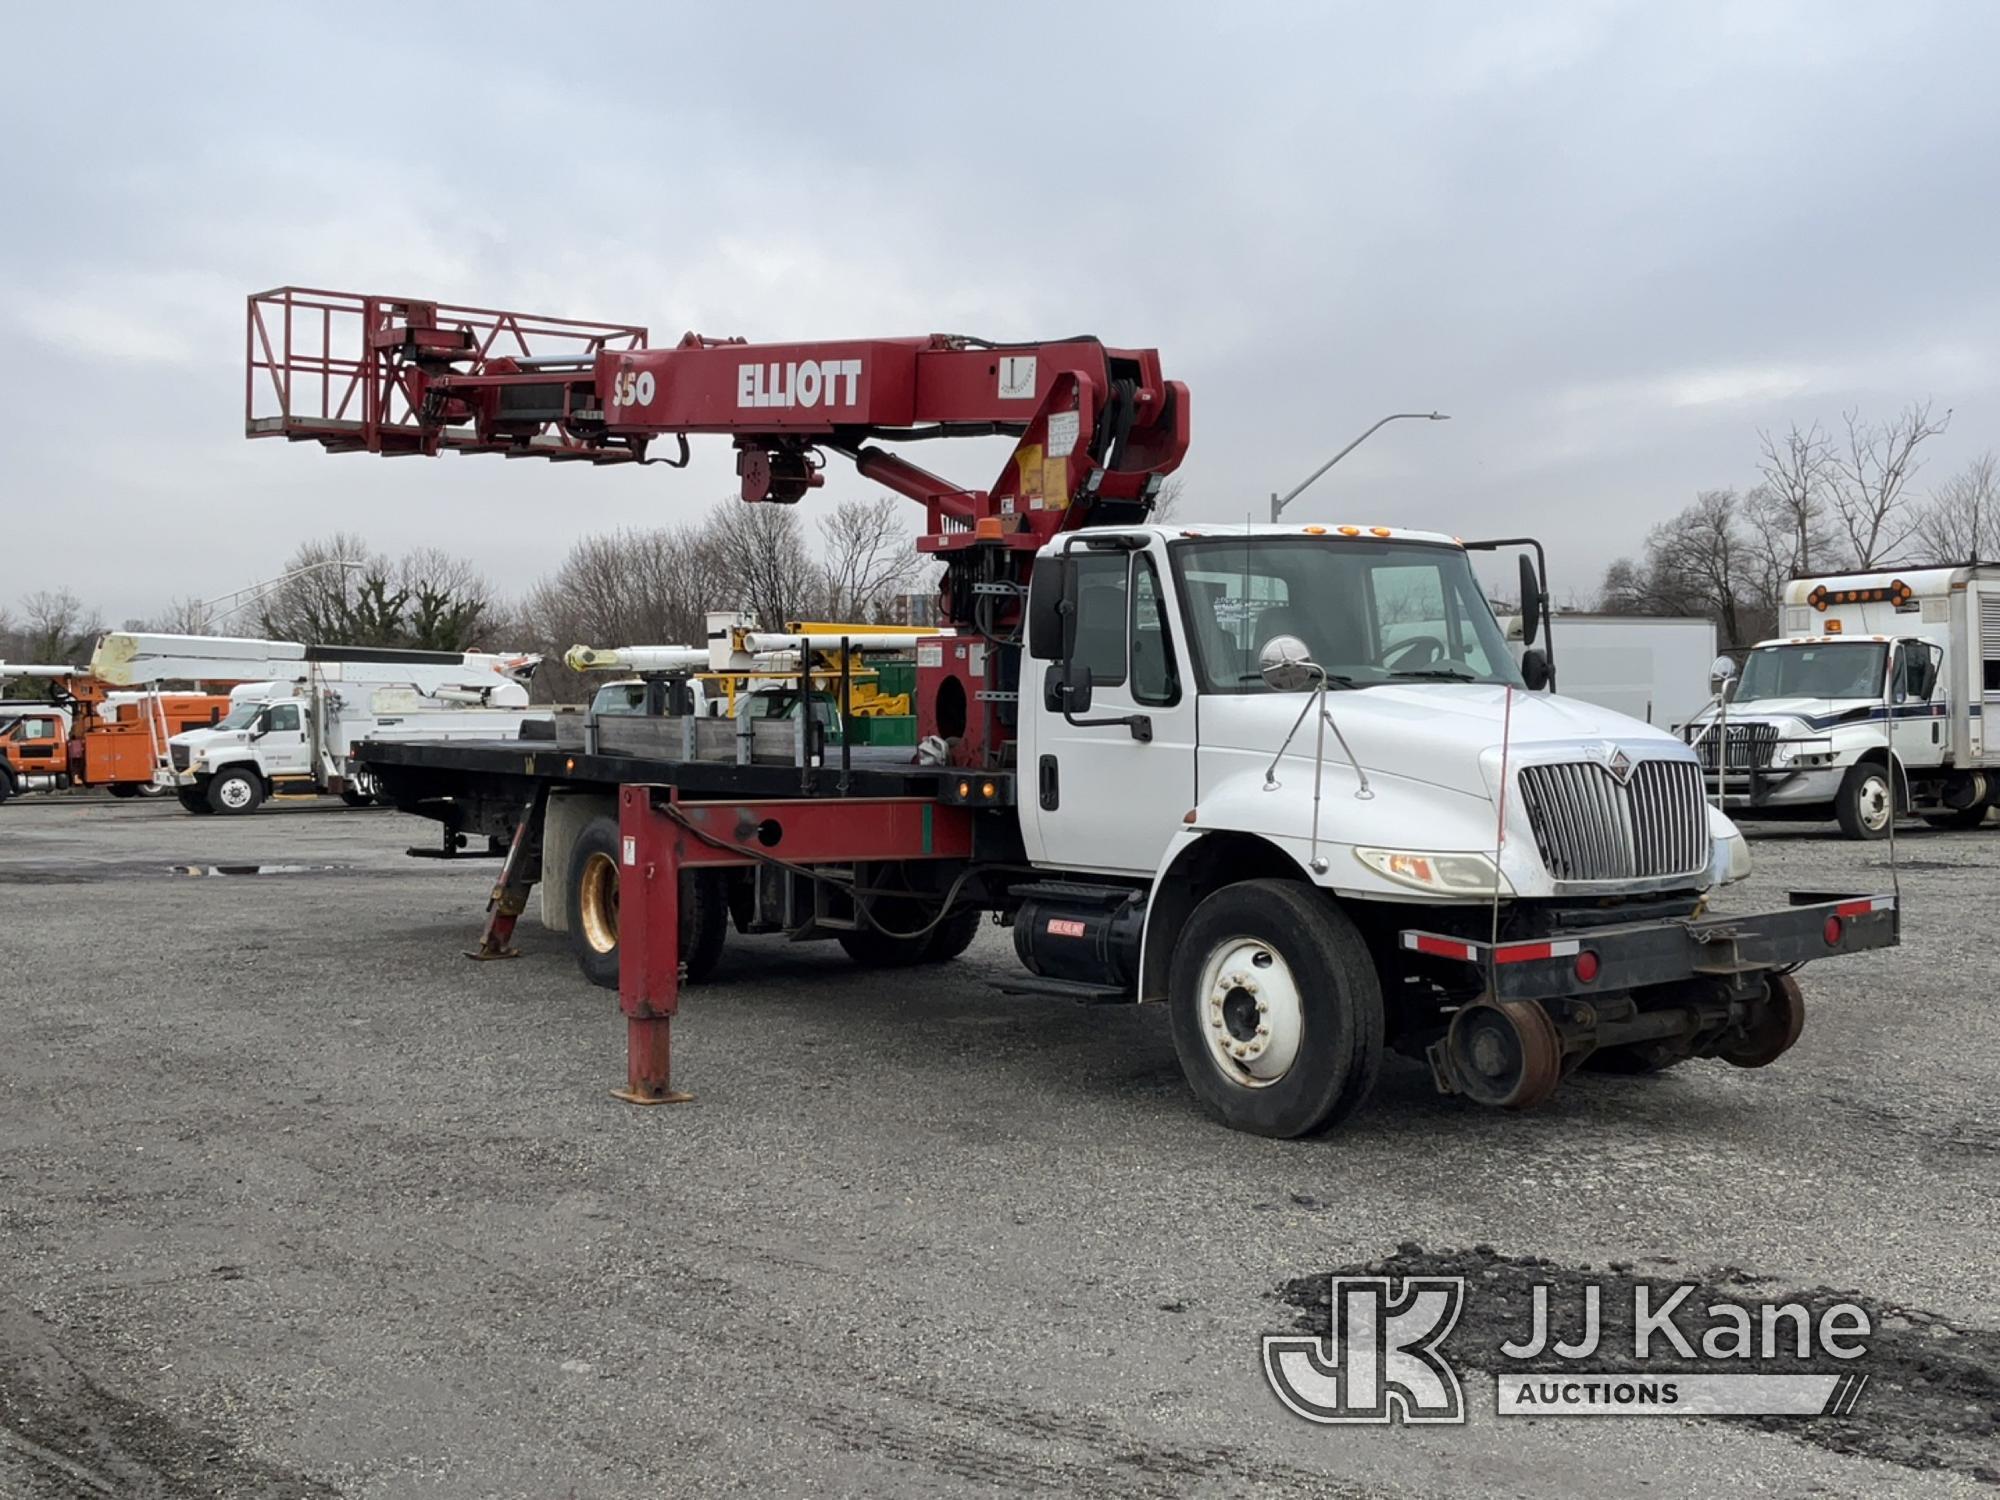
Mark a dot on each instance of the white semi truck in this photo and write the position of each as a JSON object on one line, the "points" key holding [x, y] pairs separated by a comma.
{"points": [[298, 733], [1892, 669]]}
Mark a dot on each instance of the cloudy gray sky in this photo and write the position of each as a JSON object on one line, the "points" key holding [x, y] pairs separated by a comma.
{"points": [[1611, 240]]}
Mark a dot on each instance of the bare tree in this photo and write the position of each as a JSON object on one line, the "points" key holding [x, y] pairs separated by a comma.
{"points": [[55, 629], [1961, 521], [1167, 503], [1790, 509], [430, 600], [1702, 562], [869, 556], [319, 607], [765, 565], [1870, 479]]}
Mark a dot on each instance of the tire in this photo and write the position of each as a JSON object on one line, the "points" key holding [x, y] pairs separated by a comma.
{"points": [[1860, 803], [194, 799], [356, 799], [123, 790], [953, 935], [1318, 973], [235, 792], [591, 906], [873, 948], [6, 784]]}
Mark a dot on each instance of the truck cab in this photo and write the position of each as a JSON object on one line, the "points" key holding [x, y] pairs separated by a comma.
{"points": [[34, 749], [1292, 782], [1878, 694]]}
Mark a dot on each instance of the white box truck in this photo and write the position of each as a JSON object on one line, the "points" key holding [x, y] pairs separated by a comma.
{"points": [[299, 734], [1874, 670]]}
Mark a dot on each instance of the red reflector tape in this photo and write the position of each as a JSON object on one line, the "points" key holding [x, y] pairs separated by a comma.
{"points": [[1520, 953], [1439, 947], [1863, 907]]}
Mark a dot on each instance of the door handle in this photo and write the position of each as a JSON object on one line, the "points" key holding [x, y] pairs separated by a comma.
{"points": [[1051, 785]]}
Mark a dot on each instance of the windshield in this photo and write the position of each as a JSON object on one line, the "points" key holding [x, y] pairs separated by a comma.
{"points": [[240, 716], [1369, 611], [620, 698], [1845, 670]]}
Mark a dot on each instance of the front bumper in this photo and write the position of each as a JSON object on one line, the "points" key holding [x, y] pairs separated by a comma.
{"points": [[1643, 954]]}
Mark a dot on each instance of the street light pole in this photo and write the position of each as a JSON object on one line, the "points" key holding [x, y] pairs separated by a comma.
{"points": [[1278, 503]]}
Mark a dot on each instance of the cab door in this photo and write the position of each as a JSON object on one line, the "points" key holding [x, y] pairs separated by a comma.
{"points": [[281, 743], [1104, 788]]}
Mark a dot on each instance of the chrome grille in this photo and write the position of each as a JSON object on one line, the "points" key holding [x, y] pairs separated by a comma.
{"points": [[1749, 745], [1590, 827], [180, 753]]}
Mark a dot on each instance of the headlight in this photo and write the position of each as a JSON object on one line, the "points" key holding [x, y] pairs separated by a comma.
{"points": [[1440, 874], [1802, 752]]}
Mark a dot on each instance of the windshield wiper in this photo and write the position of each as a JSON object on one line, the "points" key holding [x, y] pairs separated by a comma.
{"points": [[1435, 674], [1333, 679]]}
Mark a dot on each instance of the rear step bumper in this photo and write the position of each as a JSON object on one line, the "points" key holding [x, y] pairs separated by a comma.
{"points": [[1614, 960]]}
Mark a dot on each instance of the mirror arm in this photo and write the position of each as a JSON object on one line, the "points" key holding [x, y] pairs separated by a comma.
{"points": [[1141, 725]]}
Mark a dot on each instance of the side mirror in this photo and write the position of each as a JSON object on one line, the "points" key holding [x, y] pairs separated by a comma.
{"points": [[1534, 669], [1287, 664], [1531, 602], [1722, 672], [1049, 591]]}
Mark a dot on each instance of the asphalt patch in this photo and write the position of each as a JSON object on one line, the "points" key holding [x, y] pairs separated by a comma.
{"points": [[65, 1435], [1933, 1395]]}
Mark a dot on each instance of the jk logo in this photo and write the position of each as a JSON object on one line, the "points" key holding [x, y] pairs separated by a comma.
{"points": [[1380, 1361]]}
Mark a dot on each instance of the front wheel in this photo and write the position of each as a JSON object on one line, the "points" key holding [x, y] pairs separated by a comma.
{"points": [[1864, 805], [1275, 1008], [235, 791]]}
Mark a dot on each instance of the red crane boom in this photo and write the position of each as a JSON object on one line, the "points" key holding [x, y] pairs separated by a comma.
{"points": [[1097, 429]]}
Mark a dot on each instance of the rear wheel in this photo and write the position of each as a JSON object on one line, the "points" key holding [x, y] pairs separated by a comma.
{"points": [[1863, 804], [235, 791], [1275, 1008], [355, 798], [873, 948], [592, 900], [6, 784], [124, 789]]}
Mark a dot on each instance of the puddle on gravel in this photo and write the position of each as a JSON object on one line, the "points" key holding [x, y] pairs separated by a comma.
{"points": [[255, 869], [1932, 1400]]}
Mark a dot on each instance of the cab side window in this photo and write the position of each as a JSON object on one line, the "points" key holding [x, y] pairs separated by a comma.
{"points": [[1101, 594], [283, 716], [1155, 675]]}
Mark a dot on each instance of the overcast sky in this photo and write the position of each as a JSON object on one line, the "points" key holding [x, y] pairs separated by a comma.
{"points": [[1612, 241]]}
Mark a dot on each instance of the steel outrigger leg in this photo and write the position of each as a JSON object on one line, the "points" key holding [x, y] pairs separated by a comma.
{"points": [[649, 959], [518, 875]]}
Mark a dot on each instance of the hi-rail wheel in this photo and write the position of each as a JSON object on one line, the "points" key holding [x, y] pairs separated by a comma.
{"points": [[1506, 1053], [1773, 1026]]}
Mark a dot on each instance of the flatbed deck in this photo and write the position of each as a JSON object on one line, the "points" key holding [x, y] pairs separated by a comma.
{"points": [[481, 786]]}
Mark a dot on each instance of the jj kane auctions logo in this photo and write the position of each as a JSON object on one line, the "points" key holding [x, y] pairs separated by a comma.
{"points": [[1383, 1358]]}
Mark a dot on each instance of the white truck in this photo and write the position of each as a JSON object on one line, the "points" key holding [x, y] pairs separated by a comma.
{"points": [[1291, 784], [298, 734], [1654, 668], [1874, 670]]}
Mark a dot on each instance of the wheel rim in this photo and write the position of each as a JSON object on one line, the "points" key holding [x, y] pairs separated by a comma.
{"points": [[1252, 1015], [1871, 803], [235, 793], [597, 902]]}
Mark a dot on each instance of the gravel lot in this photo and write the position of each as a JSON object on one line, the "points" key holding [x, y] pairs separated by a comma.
{"points": [[296, 1201]]}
